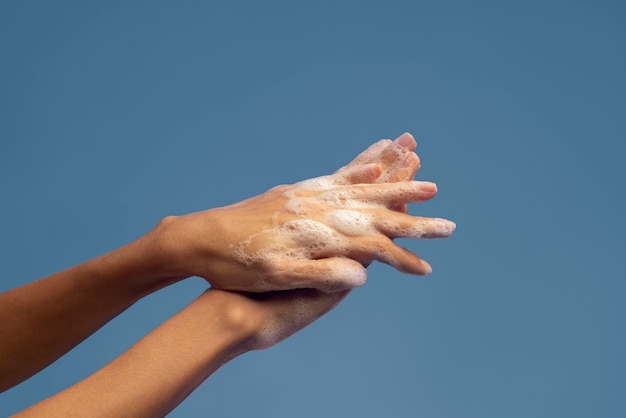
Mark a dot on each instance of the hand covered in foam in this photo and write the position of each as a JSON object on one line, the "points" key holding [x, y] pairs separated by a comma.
{"points": [[314, 234], [274, 316]]}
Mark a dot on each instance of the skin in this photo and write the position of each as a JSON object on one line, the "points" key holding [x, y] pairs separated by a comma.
{"points": [[216, 327], [163, 368], [266, 245], [52, 315], [265, 242]]}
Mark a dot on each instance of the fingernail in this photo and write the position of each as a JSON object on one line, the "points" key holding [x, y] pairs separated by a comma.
{"points": [[405, 140], [426, 186], [427, 268]]}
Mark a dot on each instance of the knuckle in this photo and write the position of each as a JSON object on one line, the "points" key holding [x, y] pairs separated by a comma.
{"points": [[168, 220]]}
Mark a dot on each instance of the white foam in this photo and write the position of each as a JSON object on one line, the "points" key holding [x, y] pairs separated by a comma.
{"points": [[318, 183], [325, 215], [297, 238], [344, 199], [352, 222]]}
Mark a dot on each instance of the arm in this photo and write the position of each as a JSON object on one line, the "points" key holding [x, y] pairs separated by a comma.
{"points": [[163, 368], [240, 247], [188, 348], [44, 319]]}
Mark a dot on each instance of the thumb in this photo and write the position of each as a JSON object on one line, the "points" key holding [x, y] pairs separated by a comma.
{"points": [[327, 274]]}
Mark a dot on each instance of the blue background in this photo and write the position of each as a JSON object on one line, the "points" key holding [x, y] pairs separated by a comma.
{"points": [[115, 114]]}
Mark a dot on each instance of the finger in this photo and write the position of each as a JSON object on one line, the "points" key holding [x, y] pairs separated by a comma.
{"points": [[398, 193], [386, 152], [383, 249], [406, 141], [402, 208], [398, 149], [403, 169], [388, 194], [400, 225], [370, 154], [396, 158], [358, 174], [328, 274]]}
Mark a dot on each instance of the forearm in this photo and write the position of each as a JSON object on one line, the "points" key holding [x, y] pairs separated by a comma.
{"points": [[158, 372], [44, 319]]}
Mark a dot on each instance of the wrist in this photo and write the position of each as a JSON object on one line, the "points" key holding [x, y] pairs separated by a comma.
{"points": [[136, 267], [236, 317], [183, 246]]}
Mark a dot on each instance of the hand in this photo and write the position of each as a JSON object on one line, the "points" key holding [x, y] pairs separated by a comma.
{"points": [[314, 234], [274, 316], [270, 317]]}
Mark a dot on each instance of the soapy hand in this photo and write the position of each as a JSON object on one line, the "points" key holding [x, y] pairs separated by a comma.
{"points": [[274, 316], [314, 234]]}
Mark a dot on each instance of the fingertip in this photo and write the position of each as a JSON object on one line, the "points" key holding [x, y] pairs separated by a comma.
{"points": [[406, 140], [426, 268], [355, 273], [422, 267], [424, 190], [358, 174], [368, 174], [426, 186], [342, 274], [445, 227]]}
